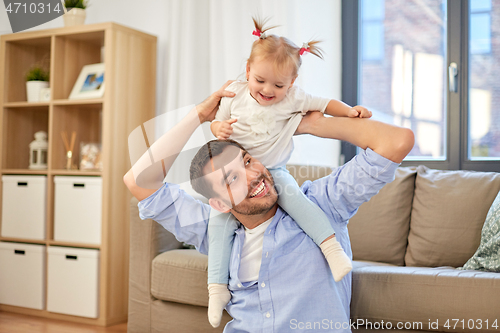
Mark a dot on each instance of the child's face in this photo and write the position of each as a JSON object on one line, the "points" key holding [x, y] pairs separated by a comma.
{"points": [[265, 86]]}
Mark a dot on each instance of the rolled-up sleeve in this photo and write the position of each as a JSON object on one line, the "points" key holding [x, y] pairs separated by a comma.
{"points": [[348, 186], [179, 213]]}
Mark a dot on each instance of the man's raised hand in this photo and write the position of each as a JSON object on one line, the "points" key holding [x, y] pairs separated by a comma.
{"points": [[208, 108]]}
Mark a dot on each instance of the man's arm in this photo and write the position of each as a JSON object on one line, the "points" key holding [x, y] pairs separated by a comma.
{"points": [[362, 177], [389, 141], [147, 174]]}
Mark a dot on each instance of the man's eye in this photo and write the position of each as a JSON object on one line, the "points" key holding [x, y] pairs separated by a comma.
{"points": [[231, 179], [247, 162], [279, 87]]}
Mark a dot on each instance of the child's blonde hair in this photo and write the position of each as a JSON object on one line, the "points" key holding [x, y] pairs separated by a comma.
{"points": [[282, 51]]}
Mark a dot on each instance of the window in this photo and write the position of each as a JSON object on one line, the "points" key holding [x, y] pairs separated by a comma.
{"points": [[373, 29], [483, 88], [480, 27], [411, 86], [408, 88]]}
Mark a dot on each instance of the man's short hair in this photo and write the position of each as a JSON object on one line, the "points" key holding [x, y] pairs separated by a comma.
{"points": [[202, 157]]}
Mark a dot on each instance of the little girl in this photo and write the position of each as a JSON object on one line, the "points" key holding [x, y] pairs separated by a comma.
{"points": [[262, 117]]}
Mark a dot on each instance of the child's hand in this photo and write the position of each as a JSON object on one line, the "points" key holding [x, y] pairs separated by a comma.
{"points": [[225, 129], [359, 111]]}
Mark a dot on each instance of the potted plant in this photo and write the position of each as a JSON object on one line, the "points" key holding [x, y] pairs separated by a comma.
{"points": [[37, 78], [75, 12]]}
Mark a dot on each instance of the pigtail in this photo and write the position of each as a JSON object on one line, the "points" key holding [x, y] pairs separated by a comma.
{"points": [[283, 52], [312, 48], [259, 24]]}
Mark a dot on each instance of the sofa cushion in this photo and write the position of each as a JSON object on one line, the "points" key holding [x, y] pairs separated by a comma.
{"points": [[170, 317], [422, 294], [301, 173], [180, 276], [379, 230], [449, 210]]}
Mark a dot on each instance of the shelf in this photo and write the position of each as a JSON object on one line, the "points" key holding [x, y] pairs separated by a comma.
{"points": [[91, 38], [21, 55], [19, 127], [63, 172], [130, 61], [93, 101], [72, 53], [23, 240], [25, 104], [50, 242], [72, 244], [83, 119], [55, 172], [23, 172]]}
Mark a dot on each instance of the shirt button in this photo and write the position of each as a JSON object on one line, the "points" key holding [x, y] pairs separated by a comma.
{"points": [[239, 285], [268, 315], [262, 284]]}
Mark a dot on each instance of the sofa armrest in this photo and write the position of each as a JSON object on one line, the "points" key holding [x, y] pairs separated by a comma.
{"points": [[147, 240]]}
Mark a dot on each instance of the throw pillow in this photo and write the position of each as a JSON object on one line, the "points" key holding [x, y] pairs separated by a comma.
{"points": [[449, 209], [487, 256], [379, 230]]}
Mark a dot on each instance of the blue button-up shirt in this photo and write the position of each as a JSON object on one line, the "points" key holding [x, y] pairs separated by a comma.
{"points": [[295, 291]]}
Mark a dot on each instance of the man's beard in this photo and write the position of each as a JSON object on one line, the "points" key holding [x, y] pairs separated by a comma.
{"points": [[256, 209]]}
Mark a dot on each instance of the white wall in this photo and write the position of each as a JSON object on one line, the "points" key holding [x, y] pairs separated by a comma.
{"points": [[299, 20]]}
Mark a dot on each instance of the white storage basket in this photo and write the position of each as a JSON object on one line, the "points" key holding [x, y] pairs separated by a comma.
{"points": [[23, 206], [22, 275], [73, 281], [78, 209]]}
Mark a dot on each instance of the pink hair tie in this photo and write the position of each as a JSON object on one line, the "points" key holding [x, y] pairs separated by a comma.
{"points": [[259, 34], [305, 48]]}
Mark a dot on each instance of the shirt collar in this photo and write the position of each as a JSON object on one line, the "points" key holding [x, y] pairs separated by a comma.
{"points": [[260, 228]]}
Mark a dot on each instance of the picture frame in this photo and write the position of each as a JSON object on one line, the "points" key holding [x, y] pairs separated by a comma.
{"points": [[90, 82]]}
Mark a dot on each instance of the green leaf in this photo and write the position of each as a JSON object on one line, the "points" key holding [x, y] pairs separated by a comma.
{"points": [[37, 73], [75, 4]]}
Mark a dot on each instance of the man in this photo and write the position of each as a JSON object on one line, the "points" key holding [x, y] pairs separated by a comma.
{"points": [[279, 279]]}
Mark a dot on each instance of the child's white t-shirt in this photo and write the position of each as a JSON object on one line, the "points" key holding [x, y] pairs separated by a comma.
{"points": [[267, 131]]}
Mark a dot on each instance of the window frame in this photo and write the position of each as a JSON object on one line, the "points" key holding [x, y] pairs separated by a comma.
{"points": [[457, 102]]}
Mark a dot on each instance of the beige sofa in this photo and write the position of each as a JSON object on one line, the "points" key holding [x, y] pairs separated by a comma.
{"points": [[406, 242]]}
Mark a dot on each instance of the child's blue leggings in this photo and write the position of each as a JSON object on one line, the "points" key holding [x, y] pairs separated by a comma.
{"points": [[221, 227]]}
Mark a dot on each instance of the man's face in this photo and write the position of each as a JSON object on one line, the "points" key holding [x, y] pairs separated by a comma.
{"points": [[241, 182]]}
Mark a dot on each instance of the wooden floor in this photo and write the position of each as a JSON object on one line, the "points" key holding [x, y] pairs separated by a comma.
{"points": [[17, 323]]}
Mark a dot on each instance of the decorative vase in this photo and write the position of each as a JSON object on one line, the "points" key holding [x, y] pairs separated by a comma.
{"points": [[33, 89], [74, 16]]}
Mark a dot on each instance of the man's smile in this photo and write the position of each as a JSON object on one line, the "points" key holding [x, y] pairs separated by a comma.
{"points": [[260, 190]]}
